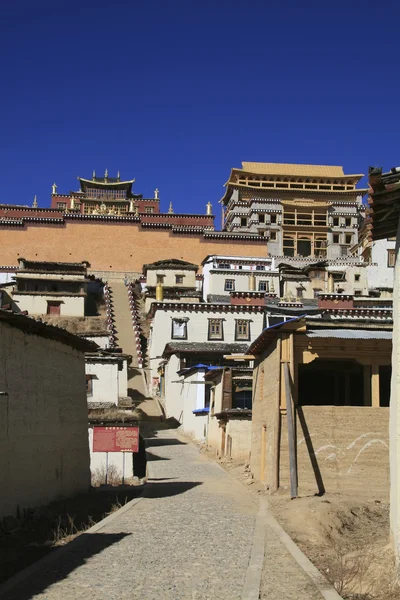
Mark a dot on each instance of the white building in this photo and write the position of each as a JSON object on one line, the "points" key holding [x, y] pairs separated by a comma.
{"points": [[380, 271], [106, 379], [225, 274]]}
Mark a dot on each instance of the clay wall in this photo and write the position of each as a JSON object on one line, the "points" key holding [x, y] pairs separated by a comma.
{"points": [[114, 246]]}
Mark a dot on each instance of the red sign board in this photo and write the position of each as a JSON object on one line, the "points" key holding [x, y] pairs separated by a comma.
{"points": [[115, 439]]}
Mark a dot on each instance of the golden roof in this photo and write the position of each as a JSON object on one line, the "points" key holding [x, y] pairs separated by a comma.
{"points": [[292, 169]]}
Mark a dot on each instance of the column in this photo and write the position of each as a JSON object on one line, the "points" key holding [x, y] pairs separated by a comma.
{"points": [[375, 385]]}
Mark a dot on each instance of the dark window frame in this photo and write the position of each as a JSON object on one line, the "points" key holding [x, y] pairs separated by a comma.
{"points": [[179, 337], [219, 336], [229, 289], [242, 337]]}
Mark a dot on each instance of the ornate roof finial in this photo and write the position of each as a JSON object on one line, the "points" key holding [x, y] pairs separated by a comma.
{"points": [[106, 174], [170, 210], [156, 194], [54, 189], [94, 175], [209, 208], [137, 211], [72, 205], [131, 207], [35, 204], [118, 176]]}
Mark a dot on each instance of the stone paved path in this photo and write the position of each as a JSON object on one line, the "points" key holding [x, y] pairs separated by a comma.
{"points": [[190, 538]]}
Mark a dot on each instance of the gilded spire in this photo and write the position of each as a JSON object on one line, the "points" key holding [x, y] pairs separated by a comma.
{"points": [[131, 207], [170, 210], [35, 204], [72, 205], [94, 175], [118, 176], [156, 194], [209, 208], [54, 189], [106, 175]]}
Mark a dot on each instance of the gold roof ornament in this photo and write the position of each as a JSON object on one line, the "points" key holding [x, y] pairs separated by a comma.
{"points": [[35, 204], [272, 288], [106, 175], [170, 210], [131, 206], [209, 208], [118, 176], [103, 207], [54, 189], [136, 211], [156, 194], [94, 175], [72, 205]]}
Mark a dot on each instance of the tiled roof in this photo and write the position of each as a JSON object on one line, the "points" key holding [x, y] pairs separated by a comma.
{"points": [[204, 348], [293, 169], [350, 334]]}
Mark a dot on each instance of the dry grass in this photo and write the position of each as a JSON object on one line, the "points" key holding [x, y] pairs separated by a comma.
{"points": [[113, 414], [114, 476], [78, 325]]}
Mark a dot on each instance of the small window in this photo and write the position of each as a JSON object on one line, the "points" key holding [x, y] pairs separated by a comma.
{"points": [[299, 292], [243, 222], [149, 209], [62, 205], [336, 221], [357, 292], [160, 278], [272, 236], [335, 238], [229, 285], [317, 293], [391, 258], [178, 279], [317, 274], [260, 268], [53, 308], [215, 329], [273, 219], [348, 238], [357, 277], [224, 266], [242, 330], [89, 385], [179, 329], [261, 218], [263, 286], [347, 221]]}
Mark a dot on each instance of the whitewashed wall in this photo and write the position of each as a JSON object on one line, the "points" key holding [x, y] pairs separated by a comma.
{"points": [[72, 306], [105, 387], [189, 277], [379, 274]]}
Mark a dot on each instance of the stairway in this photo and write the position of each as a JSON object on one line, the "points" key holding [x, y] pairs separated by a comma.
{"points": [[127, 341]]}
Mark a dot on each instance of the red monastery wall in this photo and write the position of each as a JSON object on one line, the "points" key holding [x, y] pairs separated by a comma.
{"points": [[117, 246]]}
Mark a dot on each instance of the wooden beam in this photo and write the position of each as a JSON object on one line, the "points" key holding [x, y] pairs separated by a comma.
{"points": [[290, 424]]}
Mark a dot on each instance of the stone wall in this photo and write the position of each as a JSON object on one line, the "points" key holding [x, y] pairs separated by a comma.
{"points": [[348, 446], [238, 439], [44, 451], [113, 246]]}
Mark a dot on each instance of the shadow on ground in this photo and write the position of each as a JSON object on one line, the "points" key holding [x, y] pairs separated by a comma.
{"points": [[59, 564], [154, 442], [164, 490]]}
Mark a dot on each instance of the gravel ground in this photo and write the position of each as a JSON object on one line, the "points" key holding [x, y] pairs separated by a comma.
{"points": [[190, 538]]}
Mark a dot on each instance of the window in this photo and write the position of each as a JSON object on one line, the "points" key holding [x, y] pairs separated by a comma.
{"points": [[336, 221], [160, 278], [347, 221], [357, 292], [149, 209], [273, 219], [53, 308], [215, 329], [179, 329], [242, 330], [335, 238], [62, 205], [178, 279], [229, 285], [261, 218], [260, 268], [224, 266], [243, 222], [299, 292], [391, 258], [317, 293], [272, 236], [348, 238], [263, 286], [316, 274], [89, 385], [356, 277]]}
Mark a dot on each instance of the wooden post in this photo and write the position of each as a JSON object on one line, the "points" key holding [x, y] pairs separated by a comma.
{"points": [[367, 385], [263, 448], [375, 385], [292, 450]]}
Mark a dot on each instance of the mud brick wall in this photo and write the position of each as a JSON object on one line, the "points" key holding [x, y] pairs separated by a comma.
{"points": [[350, 445], [113, 246]]}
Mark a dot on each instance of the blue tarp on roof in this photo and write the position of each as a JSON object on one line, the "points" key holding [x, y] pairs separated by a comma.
{"points": [[195, 368], [198, 411]]}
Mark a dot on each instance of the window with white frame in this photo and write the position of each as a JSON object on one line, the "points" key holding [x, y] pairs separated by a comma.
{"points": [[263, 286], [215, 329], [179, 329], [229, 285], [242, 330]]}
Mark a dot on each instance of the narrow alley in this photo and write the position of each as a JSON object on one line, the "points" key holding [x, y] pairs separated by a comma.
{"points": [[189, 537]]}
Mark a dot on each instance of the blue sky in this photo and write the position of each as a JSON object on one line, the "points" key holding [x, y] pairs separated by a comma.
{"points": [[176, 93]]}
